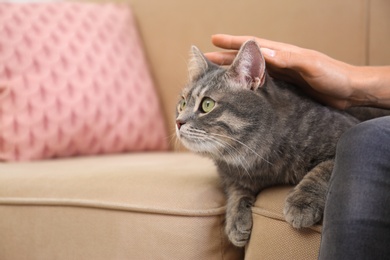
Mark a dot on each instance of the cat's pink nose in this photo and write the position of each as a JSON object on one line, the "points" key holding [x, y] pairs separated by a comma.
{"points": [[179, 124]]}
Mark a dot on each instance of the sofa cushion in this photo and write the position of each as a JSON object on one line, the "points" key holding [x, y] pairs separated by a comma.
{"points": [[138, 206], [74, 81]]}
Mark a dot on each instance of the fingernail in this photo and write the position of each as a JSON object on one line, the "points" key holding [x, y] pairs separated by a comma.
{"points": [[268, 52]]}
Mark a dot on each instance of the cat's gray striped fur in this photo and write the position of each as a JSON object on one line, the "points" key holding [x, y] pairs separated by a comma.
{"points": [[260, 132]]}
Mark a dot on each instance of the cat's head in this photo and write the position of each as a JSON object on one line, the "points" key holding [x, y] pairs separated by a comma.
{"points": [[220, 107]]}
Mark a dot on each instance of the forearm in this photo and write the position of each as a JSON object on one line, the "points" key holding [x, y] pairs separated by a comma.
{"points": [[371, 86]]}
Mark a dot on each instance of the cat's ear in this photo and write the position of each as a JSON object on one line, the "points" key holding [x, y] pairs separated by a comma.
{"points": [[197, 65], [248, 68]]}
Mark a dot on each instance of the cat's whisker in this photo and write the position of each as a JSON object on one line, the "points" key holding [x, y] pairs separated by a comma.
{"points": [[238, 141], [194, 130], [199, 137], [202, 136], [235, 155], [174, 140], [228, 147], [225, 145]]}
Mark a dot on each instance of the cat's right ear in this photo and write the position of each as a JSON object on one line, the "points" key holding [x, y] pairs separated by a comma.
{"points": [[197, 65]]}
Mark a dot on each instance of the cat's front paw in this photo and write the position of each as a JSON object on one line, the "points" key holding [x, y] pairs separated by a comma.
{"points": [[239, 230], [302, 210]]}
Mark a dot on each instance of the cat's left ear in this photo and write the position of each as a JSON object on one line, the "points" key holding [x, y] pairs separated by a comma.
{"points": [[248, 68]]}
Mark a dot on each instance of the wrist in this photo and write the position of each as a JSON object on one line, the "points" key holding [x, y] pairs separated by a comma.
{"points": [[359, 83], [370, 86]]}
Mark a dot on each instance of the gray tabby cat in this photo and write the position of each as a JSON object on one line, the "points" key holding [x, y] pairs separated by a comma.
{"points": [[260, 132]]}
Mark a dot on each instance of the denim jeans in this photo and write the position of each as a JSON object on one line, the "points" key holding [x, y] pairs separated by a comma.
{"points": [[357, 213]]}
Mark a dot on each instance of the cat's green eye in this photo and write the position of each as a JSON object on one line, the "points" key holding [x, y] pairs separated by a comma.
{"points": [[207, 105], [182, 104]]}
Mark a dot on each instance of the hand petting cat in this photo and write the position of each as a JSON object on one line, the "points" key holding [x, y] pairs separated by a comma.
{"points": [[330, 81]]}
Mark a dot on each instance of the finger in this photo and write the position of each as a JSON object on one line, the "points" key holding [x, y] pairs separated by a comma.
{"points": [[229, 42], [221, 58], [298, 60]]}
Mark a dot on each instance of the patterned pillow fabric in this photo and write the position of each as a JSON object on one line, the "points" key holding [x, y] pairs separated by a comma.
{"points": [[74, 81]]}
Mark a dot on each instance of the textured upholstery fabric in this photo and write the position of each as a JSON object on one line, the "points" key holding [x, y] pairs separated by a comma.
{"points": [[74, 81], [138, 206], [272, 237]]}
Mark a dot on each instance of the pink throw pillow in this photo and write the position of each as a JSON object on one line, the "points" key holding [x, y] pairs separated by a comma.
{"points": [[74, 81]]}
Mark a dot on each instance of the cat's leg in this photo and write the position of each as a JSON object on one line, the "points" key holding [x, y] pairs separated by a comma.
{"points": [[306, 202], [239, 216]]}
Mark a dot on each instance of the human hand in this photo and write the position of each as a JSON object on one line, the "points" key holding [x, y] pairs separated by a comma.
{"points": [[324, 78]]}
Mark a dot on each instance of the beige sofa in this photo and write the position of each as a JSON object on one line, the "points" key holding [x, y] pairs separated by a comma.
{"points": [[170, 205]]}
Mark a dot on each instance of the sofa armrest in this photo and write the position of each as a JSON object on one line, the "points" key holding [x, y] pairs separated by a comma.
{"points": [[272, 237]]}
